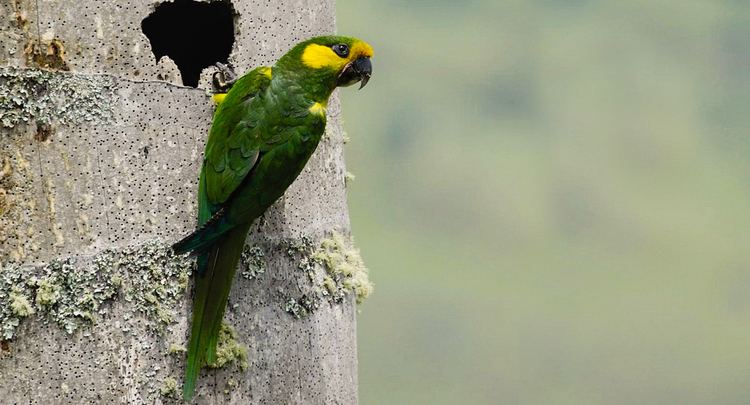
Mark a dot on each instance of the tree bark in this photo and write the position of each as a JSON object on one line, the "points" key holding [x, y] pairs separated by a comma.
{"points": [[100, 147]]}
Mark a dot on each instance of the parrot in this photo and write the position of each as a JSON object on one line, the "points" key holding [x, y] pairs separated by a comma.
{"points": [[264, 130]]}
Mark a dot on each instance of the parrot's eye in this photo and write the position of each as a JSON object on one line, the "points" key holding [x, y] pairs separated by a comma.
{"points": [[341, 50]]}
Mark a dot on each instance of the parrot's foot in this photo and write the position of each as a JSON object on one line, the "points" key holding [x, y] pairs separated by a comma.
{"points": [[224, 78]]}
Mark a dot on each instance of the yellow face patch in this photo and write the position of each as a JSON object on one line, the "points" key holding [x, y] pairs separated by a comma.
{"points": [[320, 56]]}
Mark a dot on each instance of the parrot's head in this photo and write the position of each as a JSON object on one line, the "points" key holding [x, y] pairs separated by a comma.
{"points": [[331, 61]]}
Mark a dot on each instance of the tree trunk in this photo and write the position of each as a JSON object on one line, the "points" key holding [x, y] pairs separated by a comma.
{"points": [[100, 146]]}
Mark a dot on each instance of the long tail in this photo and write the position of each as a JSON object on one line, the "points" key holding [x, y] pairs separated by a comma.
{"points": [[210, 301]]}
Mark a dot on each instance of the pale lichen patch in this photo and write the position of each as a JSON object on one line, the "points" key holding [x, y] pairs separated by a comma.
{"points": [[71, 292], [169, 388], [162, 281], [252, 262], [175, 349], [28, 95], [349, 177], [301, 307], [229, 350], [47, 293], [231, 385], [19, 303], [334, 269], [344, 268]]}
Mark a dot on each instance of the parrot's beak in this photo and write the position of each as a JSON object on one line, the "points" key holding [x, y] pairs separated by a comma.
{"points": [[358, 70]]}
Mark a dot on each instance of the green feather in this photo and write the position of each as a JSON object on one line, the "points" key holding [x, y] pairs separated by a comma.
{"points": [[209, 302]]}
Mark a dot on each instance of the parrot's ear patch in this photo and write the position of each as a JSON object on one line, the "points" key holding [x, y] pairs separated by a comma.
{"points": [[318, 56], [195, 35]]}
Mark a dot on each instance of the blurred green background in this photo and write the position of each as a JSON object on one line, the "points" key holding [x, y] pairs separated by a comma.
{"points": [[553, 198]]}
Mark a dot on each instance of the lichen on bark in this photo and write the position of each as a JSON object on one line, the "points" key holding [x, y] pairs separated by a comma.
{"points": [[334, 270], [252, 263], [229, 350], [29, 95], [72, 292]]}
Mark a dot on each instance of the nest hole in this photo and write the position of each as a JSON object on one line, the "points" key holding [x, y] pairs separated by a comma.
{"points": [[193, 34]]}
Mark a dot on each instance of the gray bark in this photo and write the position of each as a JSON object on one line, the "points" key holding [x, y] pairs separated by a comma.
{"points": [[99, 156]]}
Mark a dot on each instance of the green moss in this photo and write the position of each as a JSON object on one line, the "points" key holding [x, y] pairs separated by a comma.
{"points": [[228, 350], [169, 388], [330, 285], [116, 280]]}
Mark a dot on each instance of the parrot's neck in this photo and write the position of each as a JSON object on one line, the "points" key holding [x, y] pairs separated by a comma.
{"points": [[315, 86]]}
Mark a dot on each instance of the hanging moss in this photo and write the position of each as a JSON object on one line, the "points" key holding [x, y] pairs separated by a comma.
{"points": [[349, 177]]}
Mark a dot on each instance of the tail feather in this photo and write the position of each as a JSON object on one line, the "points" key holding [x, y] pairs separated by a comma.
{"points": [[206, 211], [205, 237], [210, 301]]}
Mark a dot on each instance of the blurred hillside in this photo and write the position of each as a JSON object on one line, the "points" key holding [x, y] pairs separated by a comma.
{"points": [[553, 198]]}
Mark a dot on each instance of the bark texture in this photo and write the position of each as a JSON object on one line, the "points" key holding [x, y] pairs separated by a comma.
{"points": [[100, 146]]}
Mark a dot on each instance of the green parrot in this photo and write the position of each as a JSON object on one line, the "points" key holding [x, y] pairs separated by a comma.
{"points": [[263, 133]]}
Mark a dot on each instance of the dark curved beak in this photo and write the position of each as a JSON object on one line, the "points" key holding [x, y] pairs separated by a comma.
{"points": [[358, 70]]}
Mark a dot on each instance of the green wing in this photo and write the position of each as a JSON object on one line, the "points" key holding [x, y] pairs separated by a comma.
{"points": [[234, 141], [233, 148]]}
